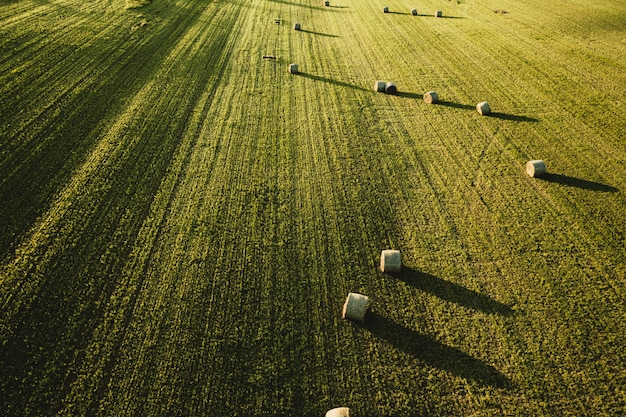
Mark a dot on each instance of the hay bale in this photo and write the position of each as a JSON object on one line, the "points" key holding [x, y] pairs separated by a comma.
{"points": [[535, 168], [355, 307], [391, 88], [338, 412], [385, 9], [483, 108], [390, 261], [414, 12], [431, 97], [296, 26], [326, 3], [293, 68], [379, 86], [438, 13]]}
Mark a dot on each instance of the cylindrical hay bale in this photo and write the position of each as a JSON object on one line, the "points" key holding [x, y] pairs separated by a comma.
{"points": [[414, 12], [483, 108], [293, 68], [391, 88], [535, 168], [296, 26], [438, 13], [355, 307], [379, 86], [390, 261], [326, 3], [431, 97], [338, 412], [385, 9]]}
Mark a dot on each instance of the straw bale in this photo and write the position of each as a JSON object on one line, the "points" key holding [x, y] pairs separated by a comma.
{"points": [[535, 168], [483, 108], [379, 86], [390, 261], [431, 97], [338, 412], [355, 307]]}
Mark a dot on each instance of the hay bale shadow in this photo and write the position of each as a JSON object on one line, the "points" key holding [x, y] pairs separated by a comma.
{"points": [[456, 105], [444, 17], [409, 95], [578, 183], [328, 35], [434, 353], [331, 81], [452, 292], [495, 115], [513, 117], [296, 4]]}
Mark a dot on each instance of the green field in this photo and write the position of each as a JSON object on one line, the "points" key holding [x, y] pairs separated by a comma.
{"points": [[181, 219]]}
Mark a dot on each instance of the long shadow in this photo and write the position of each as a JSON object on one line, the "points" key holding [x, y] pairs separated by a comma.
{"points": [[452, 292], [409, 95], [441, 17], [435, 353], [319, 33], [578, 183], [307, 6], [456, 105], [495, 115], [513, 117], [331, 81]]}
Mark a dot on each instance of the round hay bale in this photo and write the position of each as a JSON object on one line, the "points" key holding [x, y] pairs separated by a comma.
{"points": [[483, 108], [391, 88], [535, 168], [414, 12], [296, 26], [326, 3], [293, 68], [379, 86], [390, 261], [438, 13], [355, 307], [385, 9], [431, 97], [338, 412]]}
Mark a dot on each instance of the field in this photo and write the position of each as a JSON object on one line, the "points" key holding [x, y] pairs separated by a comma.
{"points": [[181, 219]]}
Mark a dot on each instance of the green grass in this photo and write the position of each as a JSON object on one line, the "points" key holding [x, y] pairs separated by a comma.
{"points": [[181, 219]]}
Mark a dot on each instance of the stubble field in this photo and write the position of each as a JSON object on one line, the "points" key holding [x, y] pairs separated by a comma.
{"points": [[181, 219]]}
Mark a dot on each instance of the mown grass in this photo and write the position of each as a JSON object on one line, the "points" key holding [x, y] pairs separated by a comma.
{"points": [[182, 219]]}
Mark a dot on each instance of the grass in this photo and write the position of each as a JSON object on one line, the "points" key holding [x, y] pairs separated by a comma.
{"points": [[183, 219], [135, 4]]}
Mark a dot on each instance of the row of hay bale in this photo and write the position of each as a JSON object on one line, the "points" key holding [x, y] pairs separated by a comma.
{"points": [[356, 304], [534, 168], [438, 13], [483, 108]]}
